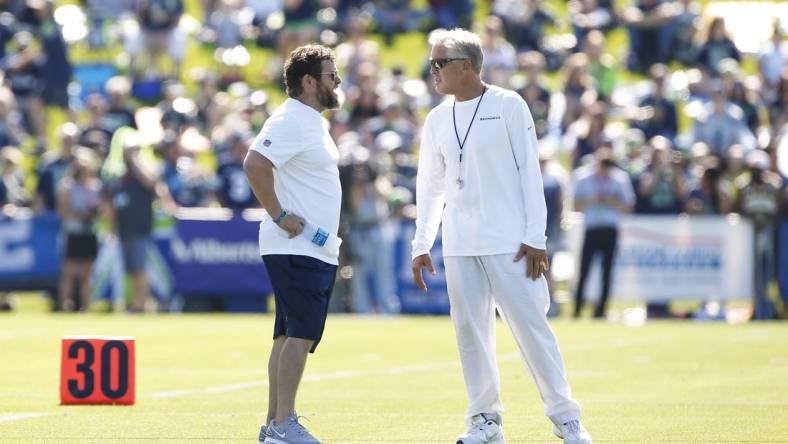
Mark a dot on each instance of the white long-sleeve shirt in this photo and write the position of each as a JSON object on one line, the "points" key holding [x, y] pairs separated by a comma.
{"points": [[501, 203]]}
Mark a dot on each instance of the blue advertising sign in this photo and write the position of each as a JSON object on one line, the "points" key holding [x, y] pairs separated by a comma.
{"points": [[413, 300], [218, 257], [29, 252]]}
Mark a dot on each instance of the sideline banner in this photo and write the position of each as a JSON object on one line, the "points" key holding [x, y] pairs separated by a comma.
{"points": [[672, 257], [218, 257], [29, 252]]}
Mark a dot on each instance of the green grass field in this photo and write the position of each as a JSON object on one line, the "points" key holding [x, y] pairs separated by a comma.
{"points": [[201, 378]]}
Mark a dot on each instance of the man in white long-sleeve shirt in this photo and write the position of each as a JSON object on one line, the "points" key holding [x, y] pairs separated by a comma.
{"points": [[479, 175]]}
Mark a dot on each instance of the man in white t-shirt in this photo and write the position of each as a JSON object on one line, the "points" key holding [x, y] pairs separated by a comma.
{"points": [[479, 175], [292, 169]]}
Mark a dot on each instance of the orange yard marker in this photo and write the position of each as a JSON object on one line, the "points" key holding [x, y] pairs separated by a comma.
{"points": [[97, 370]]}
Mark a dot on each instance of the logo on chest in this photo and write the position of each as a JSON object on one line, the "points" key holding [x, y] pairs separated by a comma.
{"points": [[490, 118]]}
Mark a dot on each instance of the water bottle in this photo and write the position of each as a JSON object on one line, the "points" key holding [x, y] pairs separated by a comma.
{"points": [[319, 236]]}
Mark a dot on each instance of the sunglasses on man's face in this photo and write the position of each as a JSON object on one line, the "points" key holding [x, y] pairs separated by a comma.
{"points": [[334, 75], [439, 64]]}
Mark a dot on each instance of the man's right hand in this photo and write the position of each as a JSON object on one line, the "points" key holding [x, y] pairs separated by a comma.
{"points": [[420, 262], [293, 224]]}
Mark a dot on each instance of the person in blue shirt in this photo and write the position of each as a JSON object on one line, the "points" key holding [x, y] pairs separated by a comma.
{"points": [[603, 194]]}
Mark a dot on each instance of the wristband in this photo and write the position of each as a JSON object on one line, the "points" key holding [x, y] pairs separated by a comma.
{"points": [[281, 217]]}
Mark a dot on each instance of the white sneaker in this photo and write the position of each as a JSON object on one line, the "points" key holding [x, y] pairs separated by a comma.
{"points": [[572, 432], [485, 429]]}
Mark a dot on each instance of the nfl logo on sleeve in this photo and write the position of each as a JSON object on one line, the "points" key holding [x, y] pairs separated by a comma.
{"points": [[267, 142]]}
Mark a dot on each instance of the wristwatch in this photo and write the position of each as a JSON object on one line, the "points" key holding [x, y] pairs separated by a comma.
{"points": [[281, 217]]}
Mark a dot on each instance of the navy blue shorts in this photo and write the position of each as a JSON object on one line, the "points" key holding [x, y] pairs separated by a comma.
{"points": [[302, 287]]}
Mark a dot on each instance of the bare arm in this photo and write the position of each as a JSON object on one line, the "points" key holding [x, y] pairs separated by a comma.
{"points": [[260, 173]]}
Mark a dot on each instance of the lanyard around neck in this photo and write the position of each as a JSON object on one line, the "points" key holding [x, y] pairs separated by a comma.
{"points": [[457, 134]]}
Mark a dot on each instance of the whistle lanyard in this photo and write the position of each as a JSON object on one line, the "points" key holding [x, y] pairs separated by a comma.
{"points": [[460, 182]]}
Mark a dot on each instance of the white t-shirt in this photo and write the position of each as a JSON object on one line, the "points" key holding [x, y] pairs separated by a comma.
{"points": [[306, 179], [501, 203]]}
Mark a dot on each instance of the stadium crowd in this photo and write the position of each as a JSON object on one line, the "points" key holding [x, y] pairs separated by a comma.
{"points": [[692, 122]]}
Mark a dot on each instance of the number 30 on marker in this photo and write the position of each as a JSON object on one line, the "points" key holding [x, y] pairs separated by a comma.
{"points": [[97, 370]]}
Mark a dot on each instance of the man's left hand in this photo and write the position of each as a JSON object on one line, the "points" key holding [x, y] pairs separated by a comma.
{"points": [[535, 261]]}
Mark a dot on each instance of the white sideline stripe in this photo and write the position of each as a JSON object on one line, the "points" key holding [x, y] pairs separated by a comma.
{"points": [[322, 377], [20, 416]]}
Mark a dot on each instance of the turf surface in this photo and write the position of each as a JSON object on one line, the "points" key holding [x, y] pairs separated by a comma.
{"points": [[200, 378]]}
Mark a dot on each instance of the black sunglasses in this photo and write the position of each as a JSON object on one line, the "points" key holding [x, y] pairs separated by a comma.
{"points": [[438, 64], [333, 75]]}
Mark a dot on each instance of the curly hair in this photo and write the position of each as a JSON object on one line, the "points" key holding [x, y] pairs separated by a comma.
{"points": [[304, 60]]}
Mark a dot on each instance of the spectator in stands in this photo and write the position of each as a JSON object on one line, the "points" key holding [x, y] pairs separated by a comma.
{"points": [[590, 15], [356, 51], [683, 47], [534, 91], [300, 26], [372, 287], [772, 61], [578, 91], [132, 196], [601, 65], [158, 35], [395, 16], [186, 181], [759, 199], [23, 66], [657, 114], [364, 101], [554, 178], [223, 27], [717, 47], [661, 188], [524, 22], [588, 133], [78, 208], [603, 193], [56, 72], [53, 167], [721, 124], [176, 118], [710, 195], [778, 108], [12, 179], [97, 134], [746, 99], [233, 188], [11, 130], [121, 111], [649, 37], [499, 55], [392, 119]]}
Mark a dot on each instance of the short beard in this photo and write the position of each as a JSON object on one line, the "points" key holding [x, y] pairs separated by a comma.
{"points": [[327, 98]]}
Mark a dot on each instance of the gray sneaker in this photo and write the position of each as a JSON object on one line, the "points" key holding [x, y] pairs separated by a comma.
{"points": [[263, 434], [289, 432]]}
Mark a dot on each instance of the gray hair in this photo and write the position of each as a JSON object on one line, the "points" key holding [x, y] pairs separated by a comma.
{"points": [[459, 43]]}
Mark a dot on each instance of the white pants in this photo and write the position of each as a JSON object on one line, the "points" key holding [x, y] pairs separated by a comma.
{"points": [[477, 284]]}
